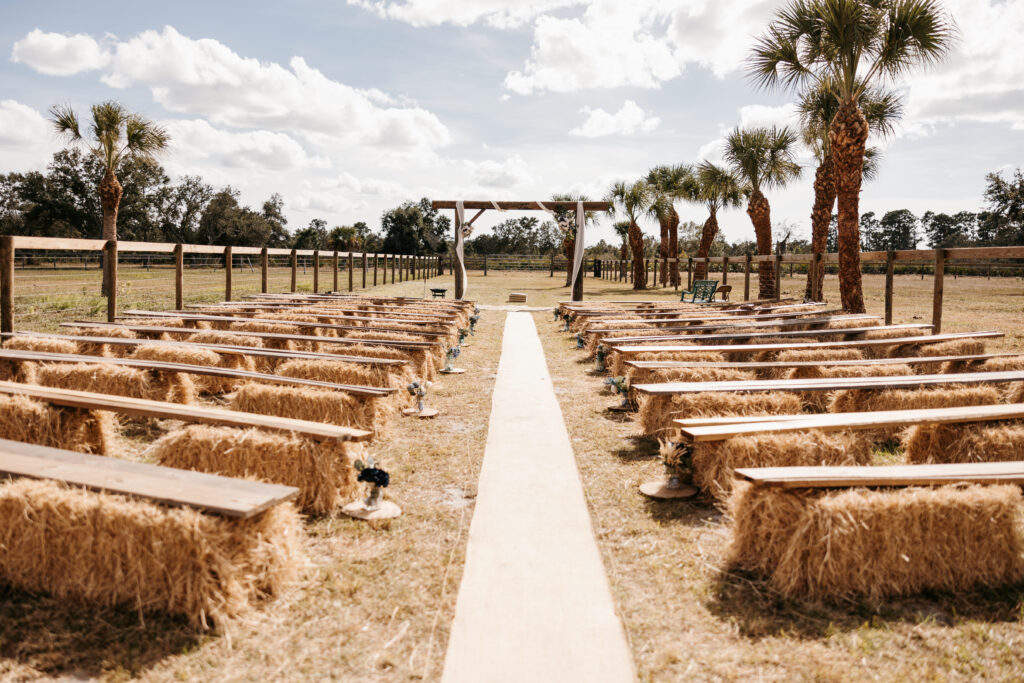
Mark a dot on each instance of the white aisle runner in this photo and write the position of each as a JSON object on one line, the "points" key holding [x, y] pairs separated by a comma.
{"points": [[534, 604]]}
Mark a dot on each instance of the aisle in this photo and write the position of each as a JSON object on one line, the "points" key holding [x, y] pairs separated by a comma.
{"points": [[534, 603]]}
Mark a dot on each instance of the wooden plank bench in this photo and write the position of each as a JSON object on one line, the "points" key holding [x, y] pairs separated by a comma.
{"points": [[735, 325], [834, 314], [197, 317], [831, 383], [426, 313], [154, 329], [696, 430], [885, 475], [678, 307], [417, 319], [187, 413], [768, 365], [807, 346], [210, 493], [735, 334], [225, 349], [212, 371]]}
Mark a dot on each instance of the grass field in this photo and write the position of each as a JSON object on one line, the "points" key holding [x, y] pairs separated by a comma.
{"points": [[377, 601]]}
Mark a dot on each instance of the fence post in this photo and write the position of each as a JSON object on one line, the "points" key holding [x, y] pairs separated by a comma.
{"points": [[179, 277], [552, 274], [111, 249], [364, 270], [778, 276], [316, 271], [6, 283], [746, 278], [295, 265], [689, 273], [725, 270], [485, 265], [393, 257], [376, 257], [351, 267], [227, 273], [818, 283], [264, 270], [334, 266], [940, 271], [890, 259]]}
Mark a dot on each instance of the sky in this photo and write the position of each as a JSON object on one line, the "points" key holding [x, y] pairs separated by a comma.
{"points": [[349, 107]]}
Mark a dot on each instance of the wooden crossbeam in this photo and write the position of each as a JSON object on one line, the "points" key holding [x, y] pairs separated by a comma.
{"points": [[361, 318], [738, 325], [886, 475], [161, 366], [522, 206], [717, 318], [854, 343], [188, 413], [155, 329], [225, 349], [767, 365], [270, 321], [736, 334], [210, 493], [719, 429], [831, 383]]}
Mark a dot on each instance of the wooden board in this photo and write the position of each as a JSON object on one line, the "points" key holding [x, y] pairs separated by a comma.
{"points": [[161, 366], [832, 383], [718, 429], [270, 321], [225, 349], [767, 365], [854, 343], [835, 314], [735, 325], [187, 413], [177, 488], [259, 335], [887, 475], [735, 334]]}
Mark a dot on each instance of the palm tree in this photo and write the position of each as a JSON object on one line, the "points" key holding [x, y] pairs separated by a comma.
{"points": [[763, 158], [115, 134], [817, 107], [566, 221], [634, 200], [848, 46], [669, 184], [716, 188], [621, 229]]}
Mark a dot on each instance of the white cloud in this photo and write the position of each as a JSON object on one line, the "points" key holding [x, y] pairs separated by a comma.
{"points": [[198, 144], [27, 140], [628, 120], [56, 54], [497, 13], [763, 115], [512, 172]]}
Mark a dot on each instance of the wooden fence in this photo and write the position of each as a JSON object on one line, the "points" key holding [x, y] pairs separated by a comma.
{"points": [[402, 267]]}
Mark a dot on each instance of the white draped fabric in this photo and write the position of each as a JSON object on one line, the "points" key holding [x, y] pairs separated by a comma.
{"points": [[460, 212], [577, 259]]}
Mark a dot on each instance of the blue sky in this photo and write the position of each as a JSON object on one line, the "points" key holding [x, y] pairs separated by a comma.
{"points": [[348, 108]]}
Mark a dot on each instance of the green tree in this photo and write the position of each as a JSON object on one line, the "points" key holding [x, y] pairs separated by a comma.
{"points": [[115, 134], [944, 231], [313, 236], [414, 228], [634, 200], [715, 188], [762, 158], [847, 46], [1002, 222]]}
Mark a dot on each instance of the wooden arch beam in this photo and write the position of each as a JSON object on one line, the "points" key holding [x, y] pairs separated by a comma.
{"points": [[522, 206]]}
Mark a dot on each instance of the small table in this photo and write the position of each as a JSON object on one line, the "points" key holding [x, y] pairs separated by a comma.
{"points": [[438, 292]]}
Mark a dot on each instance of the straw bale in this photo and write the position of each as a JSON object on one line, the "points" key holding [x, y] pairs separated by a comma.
{"points": [[896, 334], [73, 429], [965, 442], [835, 546], [807, 355], [18, 371], [315, 405], [322, 471], [204, 384], [257, 363], [154, 322], [277, 328], [118, 380], [111, 550], [41, 344], [819, 401], [687, 374], [341, 372], [714, 462], [656, 412], [616, 362], [106, 350], [846, 323], [954, 347], [862, 400], [425, 368]]}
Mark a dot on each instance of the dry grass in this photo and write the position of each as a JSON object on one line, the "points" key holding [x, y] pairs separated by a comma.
{"points": [[106, 549], [28, 421], [860, 544], [323, 472]]}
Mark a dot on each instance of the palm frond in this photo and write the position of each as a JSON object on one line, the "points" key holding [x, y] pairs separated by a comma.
{"points": [[65, 122]]}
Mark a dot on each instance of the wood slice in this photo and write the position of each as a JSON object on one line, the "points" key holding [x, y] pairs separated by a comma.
{"points": [[427, 412], [661, 490], [385, 510], [453, 371]]}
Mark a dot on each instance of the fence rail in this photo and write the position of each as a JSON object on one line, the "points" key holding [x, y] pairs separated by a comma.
{"points": [[402, 266]]}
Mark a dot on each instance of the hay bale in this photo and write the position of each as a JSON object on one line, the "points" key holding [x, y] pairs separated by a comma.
{"points": [[809, 356], [954, 347], [425, 367], [965, 442], [73, 429], [315, 405], [322, 471], [256, 363], [687, 374], [833, 546], [341, 372], [657, 412], [862, 400], [846, 324], [41, 344], [106, 350], [715, 462], [23, 372], [896, 334], [616, 362], [819, 401], [118, 380], [204, 384], [114, 551]]}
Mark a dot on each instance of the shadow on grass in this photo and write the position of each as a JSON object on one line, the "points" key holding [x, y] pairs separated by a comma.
{"points": [[53, 637], [637, 448], [759, 611]]}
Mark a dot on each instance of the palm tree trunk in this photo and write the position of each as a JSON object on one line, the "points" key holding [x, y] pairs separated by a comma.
{"points": [[760, 213], [624, 255], [110, 199], [821, 215], [707, 236], [569, 245], [663, 252], [636, 244], [848, 136], [673, 249]]}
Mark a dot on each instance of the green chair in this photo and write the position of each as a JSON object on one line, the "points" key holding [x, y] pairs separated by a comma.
{"points": [[703, 292]]}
